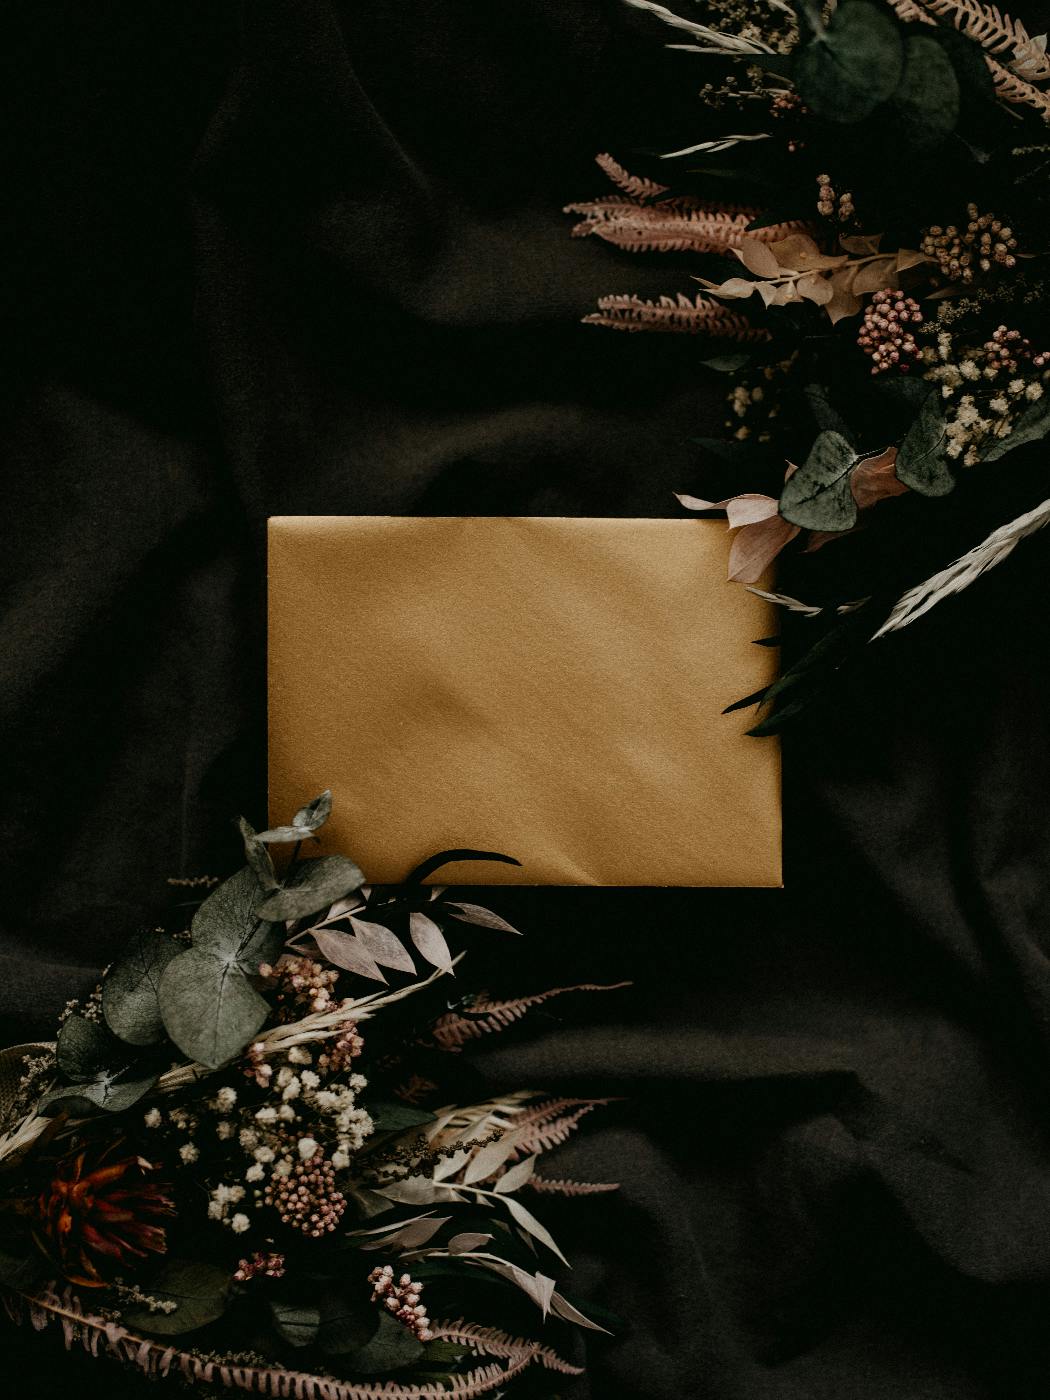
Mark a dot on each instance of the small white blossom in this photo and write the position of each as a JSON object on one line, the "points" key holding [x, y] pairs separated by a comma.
{"points": [[248, 1138], [299, 1055], [340, 1160], [283, 1167], [291, 1090], [307, 1147], [263, 1154], [266, 1115], [1033, 392], [216, 1210], [188, 1152], [224, 1130], [239, 1224], [308, 1079], [286, 1113], [226, 1098], [153, 1118], [255, 1172]]}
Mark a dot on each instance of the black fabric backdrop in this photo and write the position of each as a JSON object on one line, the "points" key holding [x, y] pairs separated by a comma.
{"points": [[298, 257]]}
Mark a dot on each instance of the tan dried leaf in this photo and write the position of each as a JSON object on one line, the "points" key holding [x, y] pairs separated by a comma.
{"points": [[758, 258]]}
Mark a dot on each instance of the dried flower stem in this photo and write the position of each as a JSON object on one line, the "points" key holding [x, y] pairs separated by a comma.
{"points": [[966, 570]]}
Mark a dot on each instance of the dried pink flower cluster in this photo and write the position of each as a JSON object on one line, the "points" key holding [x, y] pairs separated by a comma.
{"points": [[269, 1265], [831, 205], [1007, 348], [303, 982], [336, 1055], [986, 242], [402, 1299], [306, 1197], [885, 332]]}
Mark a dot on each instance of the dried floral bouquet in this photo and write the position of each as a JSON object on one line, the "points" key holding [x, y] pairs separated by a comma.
{"points": [[868, 211], [237, 1165]]}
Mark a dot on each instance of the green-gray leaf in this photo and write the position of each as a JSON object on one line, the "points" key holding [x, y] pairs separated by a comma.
{"points": [[818, 495], [114, 1092], [347, 1323], [392, 1117], [85, 1049], [306, 821], [927, 99], [922, 462], [318, 884], [257, 856], [129, 991], [844, 73], [210, 1008], [228, 922], [297, 1323], [199, 1290], [1033, 424], [392, 1348]]}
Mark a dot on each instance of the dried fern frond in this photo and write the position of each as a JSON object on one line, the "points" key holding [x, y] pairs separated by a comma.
{"points": [[543, 1135], [101, 1338], [490, 1341], [719, 42], [560, 1186], [637, 186], [678, 315], [1013, 89], [995, 32], [453, 1030], [968, 569], [682, 225]]}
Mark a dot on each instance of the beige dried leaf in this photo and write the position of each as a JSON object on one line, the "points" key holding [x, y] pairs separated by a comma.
{"points": [[815, 288], [758, 258], [876, 275]]}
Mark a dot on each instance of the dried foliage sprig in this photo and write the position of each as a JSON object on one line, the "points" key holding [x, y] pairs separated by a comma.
{"points": [[678, 315]]}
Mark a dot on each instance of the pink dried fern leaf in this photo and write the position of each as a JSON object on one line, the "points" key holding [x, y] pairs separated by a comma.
{"points": [[453, 1031], [637, 186], [675, 315], [490, 1341], [561, 1186]]}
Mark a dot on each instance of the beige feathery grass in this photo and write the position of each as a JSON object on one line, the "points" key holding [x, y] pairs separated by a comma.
{"points": [[966, 570]]}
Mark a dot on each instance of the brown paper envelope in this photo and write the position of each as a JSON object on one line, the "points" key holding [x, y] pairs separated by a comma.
{"points": [[549, 688]]}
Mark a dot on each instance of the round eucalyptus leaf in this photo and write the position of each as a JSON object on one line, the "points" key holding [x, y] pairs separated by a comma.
{"points": [[199, 1291], [84, 1049], [318, 883], [129, 991], [297, 1323], [818, 495], [847, 69], [227, 923], [392, 1347], [922, 462], [210, 1008]]}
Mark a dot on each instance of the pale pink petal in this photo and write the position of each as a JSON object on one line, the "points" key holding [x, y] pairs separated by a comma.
{"points": [[749, 509], [756, 546], [875, 478]]}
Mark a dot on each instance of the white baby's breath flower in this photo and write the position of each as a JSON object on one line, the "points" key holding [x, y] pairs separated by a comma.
{"points": [[1033, 392], [299, 1055], [307, 1147], [189, 1153], [283, 1167], [224, 1130], [216, 1209], [226, 1098], [239, 1224], [255, 1172], [286, 1113], [266, 1115], [248, 1138], [340, 1160], [291, 1090], [263, 1154], [308, 1079], [153, 1118]]}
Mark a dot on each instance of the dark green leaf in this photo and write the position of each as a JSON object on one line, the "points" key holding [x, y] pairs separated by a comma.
{"points": [[825, 415], [129, 991], [392, 1117], [114, 1092], [348, 1323], [818, 495], [1033, 424], [258, 857], [297, 1323], [230, 926], [317, 884], [926, 103], [85, 1049], [434, 863], [922, 462], [844, 72], [199, 1290], [210, 1008], [391, 1348]]}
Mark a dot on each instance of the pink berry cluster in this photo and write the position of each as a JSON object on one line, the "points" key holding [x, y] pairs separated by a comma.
{"points": [[886, 334], [402, 1299], [302, 982], [269, 1265], [307, 1198], [336, 1055], [1007, 348]]}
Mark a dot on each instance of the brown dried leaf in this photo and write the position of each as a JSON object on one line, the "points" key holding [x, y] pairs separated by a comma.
{"points": [[758, 258], [873, 276], [861, 244], [815, 288], [874, 479], [800, 253], [756, 546]]}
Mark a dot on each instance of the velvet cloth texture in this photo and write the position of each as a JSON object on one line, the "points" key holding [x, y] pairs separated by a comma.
{"points": [[297, 257]]}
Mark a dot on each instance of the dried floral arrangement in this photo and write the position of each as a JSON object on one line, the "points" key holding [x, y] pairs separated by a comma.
{"points": [[238, 1165], [868, 214]]}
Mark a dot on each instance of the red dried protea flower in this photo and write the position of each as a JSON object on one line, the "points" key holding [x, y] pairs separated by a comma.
{"points": [[98, 1211]]}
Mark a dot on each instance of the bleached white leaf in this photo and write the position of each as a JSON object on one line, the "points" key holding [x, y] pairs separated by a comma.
{"points": [[491, 1157], [532, 1226], [346, 952], [460, 1244], [518, 1175], [430, 941], [562, 1308], [475, 914], [537, 1286], [383, 945], [411, 1234]]}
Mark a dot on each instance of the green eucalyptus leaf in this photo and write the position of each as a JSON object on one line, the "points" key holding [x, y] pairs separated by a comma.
{"points": [[317, 884], [230, 925], [257, 856], [113, 1092], [393, 1117], [1030, 426], [129, 991], [297, 1323], [348, 1323], [210, 1008], [845, 71], [922, 462], [391, 1348], [818, 495], [85, 1048], [200, 1291], [926, 102], [306, 821]]}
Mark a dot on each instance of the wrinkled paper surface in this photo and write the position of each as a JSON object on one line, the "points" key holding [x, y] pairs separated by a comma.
{"points": [[549, 688]]}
